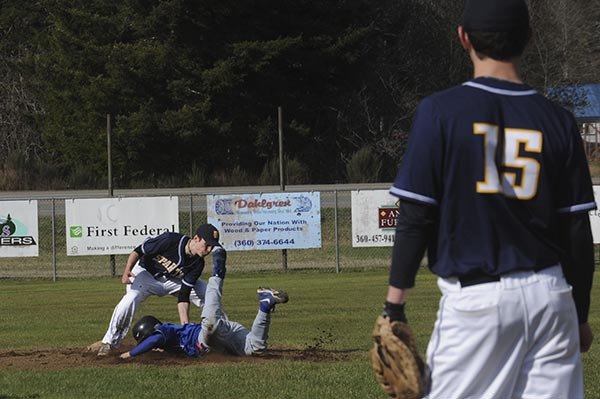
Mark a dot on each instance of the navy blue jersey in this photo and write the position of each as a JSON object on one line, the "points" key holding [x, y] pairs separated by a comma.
{"points": [[172, 337], [165, 255], [499, 161]]}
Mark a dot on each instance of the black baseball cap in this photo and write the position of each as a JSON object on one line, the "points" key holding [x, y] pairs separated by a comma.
{"points": [[495, 15], [209, 233]]}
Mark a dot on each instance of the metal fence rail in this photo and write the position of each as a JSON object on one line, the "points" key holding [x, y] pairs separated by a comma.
{"points": [[336, 252]]}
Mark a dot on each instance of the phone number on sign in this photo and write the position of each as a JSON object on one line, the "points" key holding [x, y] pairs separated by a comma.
{"points": [[375, 238], [259, 243]]}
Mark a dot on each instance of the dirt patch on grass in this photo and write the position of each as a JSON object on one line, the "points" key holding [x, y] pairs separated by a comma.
{"points": [[72, 358]]}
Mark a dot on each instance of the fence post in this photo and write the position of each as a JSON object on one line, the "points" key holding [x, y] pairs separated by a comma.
{"points": [[284, 257], [336, 237], [53, 241], [113, 269], [191, 216]]}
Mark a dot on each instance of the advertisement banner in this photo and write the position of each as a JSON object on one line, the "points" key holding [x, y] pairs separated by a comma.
{"points": [[595, 217], [18, 229], [112, 226], [266, 221], [374, 217]]}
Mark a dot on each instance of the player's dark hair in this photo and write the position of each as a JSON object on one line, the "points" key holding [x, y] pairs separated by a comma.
{"points": [[500, 46]]}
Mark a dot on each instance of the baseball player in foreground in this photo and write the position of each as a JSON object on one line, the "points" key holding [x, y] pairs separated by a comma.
{"points": [[496, 186], [215, 330], [168, 264]]}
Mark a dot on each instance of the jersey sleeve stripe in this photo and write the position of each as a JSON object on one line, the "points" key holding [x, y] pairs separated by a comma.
{"points": [[577, 208], [181, 250], [143, 246], [186, 283], [414, 196]]}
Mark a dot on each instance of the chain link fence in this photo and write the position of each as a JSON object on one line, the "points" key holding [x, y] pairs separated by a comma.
{"points": [[336, 252]]}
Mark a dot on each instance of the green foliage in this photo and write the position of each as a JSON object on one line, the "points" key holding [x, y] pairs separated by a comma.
{"points": [[197, 177], [295, 172], [20, 173], [365, 166], [184, 78], [232, 177], [200, 82]]}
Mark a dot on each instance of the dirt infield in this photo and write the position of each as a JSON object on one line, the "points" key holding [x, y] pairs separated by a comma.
{"points": [[72, 358]]}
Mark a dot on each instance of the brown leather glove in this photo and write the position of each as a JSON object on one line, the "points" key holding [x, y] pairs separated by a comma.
{"points": [[396, 362]]}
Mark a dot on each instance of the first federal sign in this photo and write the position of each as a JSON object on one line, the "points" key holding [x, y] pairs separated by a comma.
{"points": [[112, 226]]}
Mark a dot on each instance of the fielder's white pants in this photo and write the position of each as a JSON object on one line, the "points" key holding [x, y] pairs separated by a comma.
{"points": [[513, 339], [142, 286], [219, 332]]}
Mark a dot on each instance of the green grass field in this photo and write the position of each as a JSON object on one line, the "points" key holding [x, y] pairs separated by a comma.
{"points": [[328, 313]]}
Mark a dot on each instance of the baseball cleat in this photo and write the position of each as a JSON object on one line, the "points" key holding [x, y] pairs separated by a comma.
{"points": [[269, 297], [104, 350]]}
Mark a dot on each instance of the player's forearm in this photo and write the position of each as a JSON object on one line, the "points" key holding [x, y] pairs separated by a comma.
{"points": [[578, 245], [397, 295], [131, 261], [183, 308]]}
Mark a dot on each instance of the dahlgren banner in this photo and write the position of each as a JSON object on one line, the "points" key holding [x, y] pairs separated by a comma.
{"points": [[112, 226], [266, 221], [18, 228]]}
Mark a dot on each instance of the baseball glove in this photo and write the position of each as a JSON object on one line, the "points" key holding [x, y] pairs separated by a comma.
{"points": [[398, 367]]}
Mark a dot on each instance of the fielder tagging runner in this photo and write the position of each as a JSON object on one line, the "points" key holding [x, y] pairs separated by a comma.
{"points": [[168, 264], [496, 185], [215, 331]]}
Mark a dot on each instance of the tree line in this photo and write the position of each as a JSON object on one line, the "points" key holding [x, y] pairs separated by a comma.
{"points": [[193, 87]]}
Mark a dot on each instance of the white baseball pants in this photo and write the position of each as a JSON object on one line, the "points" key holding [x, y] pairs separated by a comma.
{"points": [[142, 286], [516, 338]]}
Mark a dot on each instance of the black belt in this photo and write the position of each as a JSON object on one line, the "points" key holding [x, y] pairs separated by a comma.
{"points": [[480, 278], [474, 279]]}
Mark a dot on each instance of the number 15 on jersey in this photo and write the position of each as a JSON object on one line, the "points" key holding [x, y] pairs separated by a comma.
{"points": [[508, 183]]}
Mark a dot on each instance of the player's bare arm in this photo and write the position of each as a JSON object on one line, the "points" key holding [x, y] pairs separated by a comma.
{"points": [[131, 261], [397, 295], [183, 303], [183, 308]]}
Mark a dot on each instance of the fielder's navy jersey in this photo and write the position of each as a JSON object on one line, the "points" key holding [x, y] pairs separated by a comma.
{"points": [[165, 255], [172, 337], [500, 161]]}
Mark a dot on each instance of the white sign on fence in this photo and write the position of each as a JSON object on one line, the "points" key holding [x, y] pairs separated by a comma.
{"points": [[19, 229], [111, 226], [374, 216], [266, 221]]}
